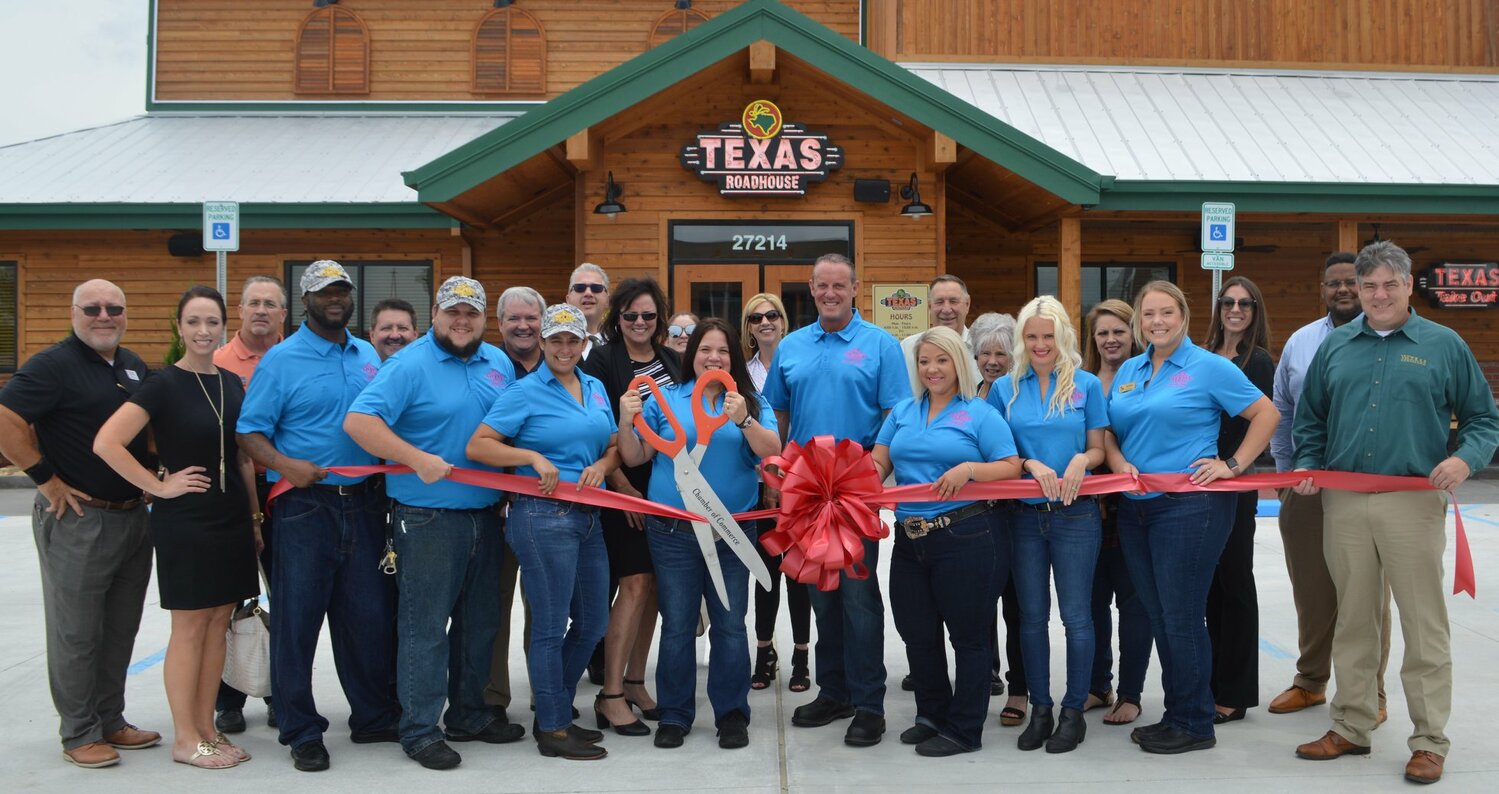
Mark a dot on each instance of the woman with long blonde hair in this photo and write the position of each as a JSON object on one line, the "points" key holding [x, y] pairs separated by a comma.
{"points": [[1056, 412]]}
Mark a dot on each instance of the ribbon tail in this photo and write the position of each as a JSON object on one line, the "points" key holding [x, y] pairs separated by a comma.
{"points": [[1463, 580]]}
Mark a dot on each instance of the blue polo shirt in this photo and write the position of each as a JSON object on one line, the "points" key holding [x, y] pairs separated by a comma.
{"points": [[967, 430], [299, 395], [837, 384], [434, 401], [728, 465], [539, 414], [1040, 433], [1167, 421]]}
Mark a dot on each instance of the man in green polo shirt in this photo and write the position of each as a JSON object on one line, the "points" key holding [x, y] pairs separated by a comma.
{"points": [[1378, 399]]}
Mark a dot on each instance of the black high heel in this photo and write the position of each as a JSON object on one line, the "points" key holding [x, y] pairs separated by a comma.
{"points": [[801, 678], [654, 715], [636, 728], [765, 667]]}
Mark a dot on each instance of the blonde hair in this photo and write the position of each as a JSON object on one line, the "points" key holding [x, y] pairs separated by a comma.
{"points": [[1069, 360], [1170, 290], [751, 345], [948, 341]]}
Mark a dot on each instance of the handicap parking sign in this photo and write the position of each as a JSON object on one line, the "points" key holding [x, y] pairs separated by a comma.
{"points": [[220, 226], [1216, 231], [221, 231], [1217, 226]]}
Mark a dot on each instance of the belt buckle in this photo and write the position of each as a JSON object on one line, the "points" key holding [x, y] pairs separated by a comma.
{"points": [[917, 528]]}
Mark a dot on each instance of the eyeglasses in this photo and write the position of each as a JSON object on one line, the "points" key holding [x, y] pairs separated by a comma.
{"points": [[758, 317], [1335, 283], [681, 330], [594, 288], [631, 317], [1242, 303], [93, 311]]}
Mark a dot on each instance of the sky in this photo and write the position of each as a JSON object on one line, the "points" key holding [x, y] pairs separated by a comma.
{"points": [[70, 65]]}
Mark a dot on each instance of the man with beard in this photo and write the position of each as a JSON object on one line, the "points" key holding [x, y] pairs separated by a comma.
{"points": [[588, 289], [392, 326], [262, 311], [419, 412], [330, 528], [89, 523], [947, 304]]}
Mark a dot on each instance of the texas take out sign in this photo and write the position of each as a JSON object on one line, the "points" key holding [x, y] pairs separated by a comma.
{"points": [[1454, 285], [761, 154]]}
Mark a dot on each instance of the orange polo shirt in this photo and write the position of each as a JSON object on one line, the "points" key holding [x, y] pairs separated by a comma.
{"points": [[238, 359]]}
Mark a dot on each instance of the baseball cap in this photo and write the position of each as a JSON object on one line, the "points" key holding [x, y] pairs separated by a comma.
{"points": [[323, 272], [459, 289], [563, 317]]}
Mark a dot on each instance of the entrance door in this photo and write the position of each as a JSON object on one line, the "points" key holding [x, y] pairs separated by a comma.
{"points": [[790, 282], [714, 290]]}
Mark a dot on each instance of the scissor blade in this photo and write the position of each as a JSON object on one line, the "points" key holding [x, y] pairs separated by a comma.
{"points": [[699, 497], [704, 534]]}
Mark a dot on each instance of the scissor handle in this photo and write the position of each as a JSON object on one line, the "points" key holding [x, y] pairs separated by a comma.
{"points": [[706, 423], [668, 448]]}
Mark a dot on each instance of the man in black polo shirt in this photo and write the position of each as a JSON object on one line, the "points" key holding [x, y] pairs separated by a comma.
{"points": [[89, 523]]}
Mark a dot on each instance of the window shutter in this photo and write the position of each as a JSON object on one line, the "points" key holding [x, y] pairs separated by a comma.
{"points": [[333, 53], [510, 53], [674, 23]]}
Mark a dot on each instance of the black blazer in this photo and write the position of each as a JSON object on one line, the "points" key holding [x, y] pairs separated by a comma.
{"points": [[612, 365]]}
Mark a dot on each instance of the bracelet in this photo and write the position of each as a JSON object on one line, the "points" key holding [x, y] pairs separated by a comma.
{"points": [[972, 475], [748, 420], [258, 518], [1024, 461], [40, 472]]}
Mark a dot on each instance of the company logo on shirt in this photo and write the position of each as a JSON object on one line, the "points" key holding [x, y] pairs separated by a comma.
{"points": [[369, 371], [855, 356], [1406, 358], [1078, 400], [598, 399], [960, 418], [1179, 380], [495, 377]]}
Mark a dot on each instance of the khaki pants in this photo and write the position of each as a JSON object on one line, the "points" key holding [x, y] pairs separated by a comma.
{"points": [[1315, 597], [497, 693], [1400, 537]]}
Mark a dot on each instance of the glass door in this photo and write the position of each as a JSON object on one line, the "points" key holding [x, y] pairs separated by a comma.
{"points": [[714, 290], [790, 282]]}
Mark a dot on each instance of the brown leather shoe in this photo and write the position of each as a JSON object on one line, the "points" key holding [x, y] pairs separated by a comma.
{"points": [[97, 754], [1330, 746], [1424, 767], [1295, 699], [133, 738]]}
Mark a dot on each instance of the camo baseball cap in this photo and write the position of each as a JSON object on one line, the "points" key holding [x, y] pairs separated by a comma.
{"points": [[563, 318], [459, 289], [323, 272]]}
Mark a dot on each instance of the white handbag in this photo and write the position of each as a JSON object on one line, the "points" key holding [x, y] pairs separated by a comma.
{"points": [[247, 651]]}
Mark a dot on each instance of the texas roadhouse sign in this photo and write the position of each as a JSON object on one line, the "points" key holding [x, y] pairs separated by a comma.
{"points": [[761, 155]]}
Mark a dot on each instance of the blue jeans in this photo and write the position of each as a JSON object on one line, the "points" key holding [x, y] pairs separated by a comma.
{"points": [[326, 555], [1063, 543], [565, 572], [1171, 545], [1111, 584], [681, 583], [851, 639], [449, 574], [949, 577]]}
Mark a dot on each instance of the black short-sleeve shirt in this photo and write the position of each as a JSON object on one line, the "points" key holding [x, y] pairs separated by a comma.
{"points": [[67, 392]]}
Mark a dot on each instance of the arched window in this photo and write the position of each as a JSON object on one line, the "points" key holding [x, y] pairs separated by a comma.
{"points": [[674, 23], [510, 54], [333, 53]]}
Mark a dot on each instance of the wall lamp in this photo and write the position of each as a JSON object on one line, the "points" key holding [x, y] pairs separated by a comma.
{"points": [[683, 5], [324, 3], [503, 3], [610, 206], [914, 208]]}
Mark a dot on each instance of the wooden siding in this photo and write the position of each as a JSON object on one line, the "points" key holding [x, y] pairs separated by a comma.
{"points": [[1396, 34], [419, 49]]}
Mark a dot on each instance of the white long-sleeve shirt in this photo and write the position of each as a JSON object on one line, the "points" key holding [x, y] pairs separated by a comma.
{"points": [[1295, 357]]}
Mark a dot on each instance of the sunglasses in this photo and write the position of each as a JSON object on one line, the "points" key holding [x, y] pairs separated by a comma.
{"points": [[594, 288], [1242, 303], [681, 330], [758, 317], [93, 311], [631, 317]]}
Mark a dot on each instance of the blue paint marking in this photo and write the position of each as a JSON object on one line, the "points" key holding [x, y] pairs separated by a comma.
{"points": [[147, 663], [1480, 519], [1272, 650], [1267, 508]]}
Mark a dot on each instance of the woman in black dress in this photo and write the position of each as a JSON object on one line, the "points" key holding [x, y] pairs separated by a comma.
{"points": [[205, 522]]}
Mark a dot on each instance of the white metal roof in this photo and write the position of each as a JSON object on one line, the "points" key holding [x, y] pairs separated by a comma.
{"points": [[1246, 125], [249, 158]]}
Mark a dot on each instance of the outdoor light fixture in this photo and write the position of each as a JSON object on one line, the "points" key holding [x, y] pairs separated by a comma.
{"points": [[324, 3], [610, 206], [503, 3], [683, 5], [914, 208]]}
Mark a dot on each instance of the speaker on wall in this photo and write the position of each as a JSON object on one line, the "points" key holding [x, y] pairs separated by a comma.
{"points": [[872, 190], [185, 244]]}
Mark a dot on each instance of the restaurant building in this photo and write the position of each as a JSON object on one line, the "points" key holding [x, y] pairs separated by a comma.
{"points": [[1027, 146]]}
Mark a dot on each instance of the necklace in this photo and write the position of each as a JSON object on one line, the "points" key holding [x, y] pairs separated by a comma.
{"points": [[218, 413]]}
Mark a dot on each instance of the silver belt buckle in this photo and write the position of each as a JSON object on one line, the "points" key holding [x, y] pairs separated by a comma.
{"points": [[920, 528]]}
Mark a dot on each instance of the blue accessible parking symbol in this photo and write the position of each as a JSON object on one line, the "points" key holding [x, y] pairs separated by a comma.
{"points": [[220, 231], [1216, 231]]}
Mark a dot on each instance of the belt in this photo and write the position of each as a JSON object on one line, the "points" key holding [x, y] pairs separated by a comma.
{"points": [[105, 504], [919, 527], [578, 506], [366, 484], [1051, 507]]}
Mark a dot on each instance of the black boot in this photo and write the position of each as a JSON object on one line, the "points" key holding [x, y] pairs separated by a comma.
{"points": [[1071, 729], [1036, 733]]}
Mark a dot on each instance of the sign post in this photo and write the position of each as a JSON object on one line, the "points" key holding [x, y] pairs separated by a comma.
{"points": [[1217, 240], [221, 235]]}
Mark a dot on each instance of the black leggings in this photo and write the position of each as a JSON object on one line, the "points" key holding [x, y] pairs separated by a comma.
{"points": [[768, 602]]}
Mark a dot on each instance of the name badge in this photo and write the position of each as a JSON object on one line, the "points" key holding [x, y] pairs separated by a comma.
{"points": [[130, 373], [1127, 387]]}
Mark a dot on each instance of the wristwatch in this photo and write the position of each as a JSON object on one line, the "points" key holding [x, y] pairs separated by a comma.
{"points": [[748, 420], [1233, 465]]}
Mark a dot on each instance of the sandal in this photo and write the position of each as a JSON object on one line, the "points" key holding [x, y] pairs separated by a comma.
{"points": [[1112, 717], [1010, 716], [765, 667], [652, 714], [1098, 701], [208, 757], [223, 745], [801, 679]]}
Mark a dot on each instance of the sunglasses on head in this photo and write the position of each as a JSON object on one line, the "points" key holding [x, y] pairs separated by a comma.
{"points": [[681, 330], [93, 311], [1229, 303], [582, 288], [631, 317], [757, 317]]}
